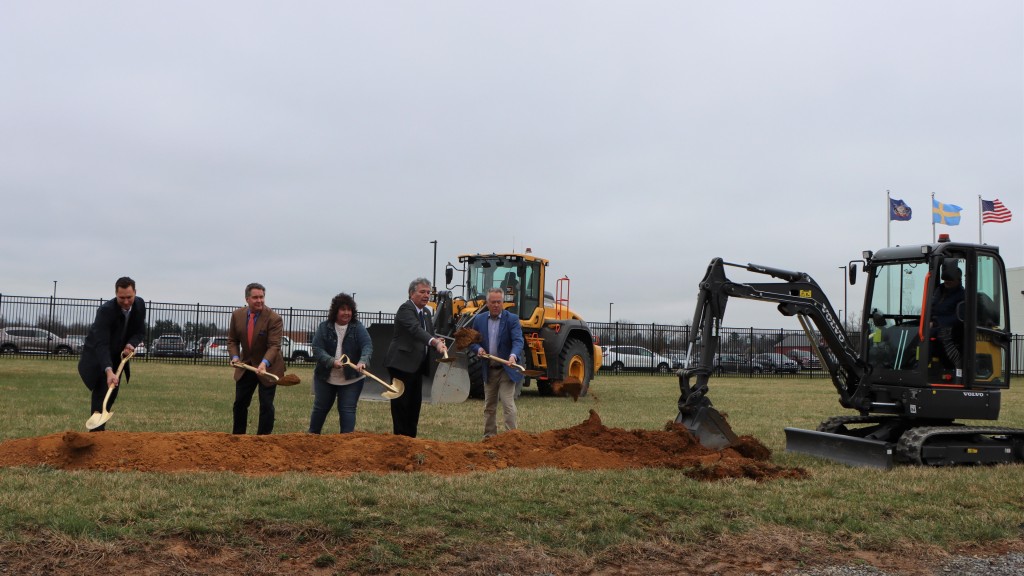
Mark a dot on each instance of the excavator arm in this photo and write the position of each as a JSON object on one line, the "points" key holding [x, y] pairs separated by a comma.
{"points": [[797, 294]]}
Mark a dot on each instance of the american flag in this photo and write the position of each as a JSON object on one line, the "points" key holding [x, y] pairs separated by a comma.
{"points": [[994, 211]]}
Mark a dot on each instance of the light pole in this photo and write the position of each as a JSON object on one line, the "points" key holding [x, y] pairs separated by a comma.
{"points": [[434, 242], [53, 302], [846, 279], [610, 312]]}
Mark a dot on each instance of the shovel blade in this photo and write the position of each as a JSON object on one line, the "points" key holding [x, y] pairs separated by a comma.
{"points": [[97, 420], [399, 389]]}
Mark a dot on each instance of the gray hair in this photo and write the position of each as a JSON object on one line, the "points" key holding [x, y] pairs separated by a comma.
{"points": [[498, 290], [254, 286], [417, 282]]}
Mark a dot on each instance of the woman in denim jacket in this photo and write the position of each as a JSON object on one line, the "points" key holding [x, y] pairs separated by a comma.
{"points": [[332, 379]]}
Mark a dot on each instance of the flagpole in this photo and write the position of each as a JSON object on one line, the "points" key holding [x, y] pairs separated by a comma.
{"points": [[979, 218], [888, 219], [933, 217]]}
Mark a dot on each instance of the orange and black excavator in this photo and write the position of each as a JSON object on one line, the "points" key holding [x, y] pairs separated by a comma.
{"points": [[933, 348]]}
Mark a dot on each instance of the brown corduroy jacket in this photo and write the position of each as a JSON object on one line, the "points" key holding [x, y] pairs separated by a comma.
{"points": [[266, 342]]}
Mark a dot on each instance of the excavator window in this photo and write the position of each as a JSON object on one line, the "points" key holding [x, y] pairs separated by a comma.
{"points": [[991, 357], [895, 313]]}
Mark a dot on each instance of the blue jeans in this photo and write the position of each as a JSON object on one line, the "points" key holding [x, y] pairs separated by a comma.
{"points": [[324, 396]]}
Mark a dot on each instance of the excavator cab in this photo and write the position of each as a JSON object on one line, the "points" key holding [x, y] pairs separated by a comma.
{"points": [[935, 318]]}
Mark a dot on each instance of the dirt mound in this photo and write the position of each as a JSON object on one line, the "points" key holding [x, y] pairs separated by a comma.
{"points": [[587, 446]]}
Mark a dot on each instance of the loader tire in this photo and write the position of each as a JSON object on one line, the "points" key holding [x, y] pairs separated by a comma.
{"points": [[476, 376], [576, 363]]}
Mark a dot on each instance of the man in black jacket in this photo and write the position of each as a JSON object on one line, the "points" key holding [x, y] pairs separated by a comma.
{"points": [[407, 357], [119, 327]]}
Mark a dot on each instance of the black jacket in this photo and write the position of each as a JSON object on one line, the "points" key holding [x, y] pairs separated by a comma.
{"points": [[108, 335]]}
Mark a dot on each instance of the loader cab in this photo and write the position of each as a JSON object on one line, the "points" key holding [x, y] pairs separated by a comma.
{"points": [[936, 316], [519, 276]]}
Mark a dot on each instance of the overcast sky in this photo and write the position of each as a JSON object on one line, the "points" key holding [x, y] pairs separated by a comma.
{"points": [[319, 147]]}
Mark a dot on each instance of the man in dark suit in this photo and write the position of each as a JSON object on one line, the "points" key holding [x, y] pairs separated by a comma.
{"points": [[502, 337], [254, 338], [408, 359], [119, 327]]}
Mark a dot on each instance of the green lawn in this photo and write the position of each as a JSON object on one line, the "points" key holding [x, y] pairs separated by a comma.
{"points": [[414, 519]]}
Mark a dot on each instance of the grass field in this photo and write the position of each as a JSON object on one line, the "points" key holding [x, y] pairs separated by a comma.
{"points": [[412, 523]]}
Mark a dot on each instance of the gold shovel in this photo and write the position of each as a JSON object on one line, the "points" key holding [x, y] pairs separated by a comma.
{"points": [[509, 363], [287, 380], [100, 418], [393, 390]]}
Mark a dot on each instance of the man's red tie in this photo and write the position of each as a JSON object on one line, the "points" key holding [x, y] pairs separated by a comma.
{"points": [[252, 323]]}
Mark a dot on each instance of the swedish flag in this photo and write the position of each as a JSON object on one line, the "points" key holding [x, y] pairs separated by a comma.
{"points": [[948, 214]]}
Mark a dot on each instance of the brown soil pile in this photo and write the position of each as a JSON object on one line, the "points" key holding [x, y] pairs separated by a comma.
{"points": [[587, 446]]}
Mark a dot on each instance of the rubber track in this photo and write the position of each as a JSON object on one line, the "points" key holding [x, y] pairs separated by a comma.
{"points": [[910, 444]]}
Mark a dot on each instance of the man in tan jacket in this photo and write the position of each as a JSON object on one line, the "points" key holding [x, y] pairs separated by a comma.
{"points": [[254, 338]]}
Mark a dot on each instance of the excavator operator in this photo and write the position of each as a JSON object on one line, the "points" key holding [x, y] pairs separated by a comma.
{"points": [[946, 326]]}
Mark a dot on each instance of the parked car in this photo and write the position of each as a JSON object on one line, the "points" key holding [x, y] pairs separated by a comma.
{"points": [[806, 360], [201, 345], [619, 358], [140, 350], [678, 360], [296, 351], [736, 363], [170, 345], [77, 341], [17, 340], [775, 362], [215, 347]]}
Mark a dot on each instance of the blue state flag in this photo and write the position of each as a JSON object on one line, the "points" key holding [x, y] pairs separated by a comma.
{"points": [[898, 210], [948, 214]]}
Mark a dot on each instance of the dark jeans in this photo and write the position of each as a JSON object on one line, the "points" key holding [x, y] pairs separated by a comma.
{"points": [[244, 388], [325, 395], [405, 410]]}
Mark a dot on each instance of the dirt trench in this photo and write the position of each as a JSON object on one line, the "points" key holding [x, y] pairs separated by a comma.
{"points": [[589, 445]]}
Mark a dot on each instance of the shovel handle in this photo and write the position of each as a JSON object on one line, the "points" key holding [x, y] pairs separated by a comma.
{"points": [[251, 369], [106, 399], [508, 363], [344, 360], [120, 367]]}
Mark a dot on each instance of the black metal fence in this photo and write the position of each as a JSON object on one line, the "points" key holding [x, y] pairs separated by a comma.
{"points": [[68, 320], [668, 343], [71, 317]]}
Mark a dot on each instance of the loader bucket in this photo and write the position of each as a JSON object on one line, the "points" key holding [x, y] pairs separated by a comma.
{"points": [[447, 382], [450, 383], [851, 450], [708, 426]]}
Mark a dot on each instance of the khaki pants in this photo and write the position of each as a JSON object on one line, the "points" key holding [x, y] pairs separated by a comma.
{"points": [[498, 387]]}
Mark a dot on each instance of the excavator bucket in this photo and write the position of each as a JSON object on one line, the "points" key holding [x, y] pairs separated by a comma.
{"points": [[709, 426], [698, 415], [851, 450]]}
